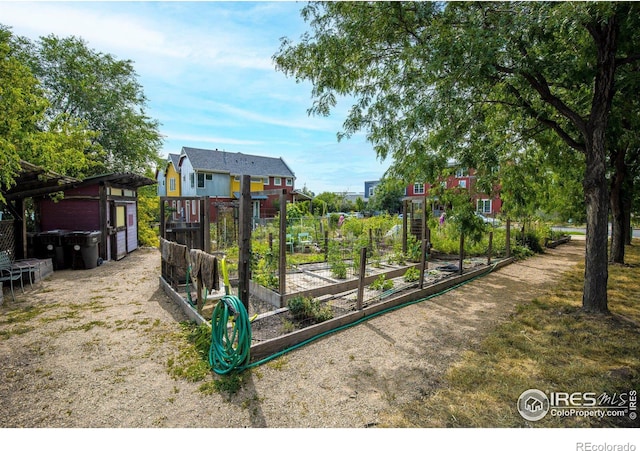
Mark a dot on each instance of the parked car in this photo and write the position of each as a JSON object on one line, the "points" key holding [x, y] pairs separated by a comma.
{"points": [[487, 220]]}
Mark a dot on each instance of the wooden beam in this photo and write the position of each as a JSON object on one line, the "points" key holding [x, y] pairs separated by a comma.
{"points": [[244, 257]]}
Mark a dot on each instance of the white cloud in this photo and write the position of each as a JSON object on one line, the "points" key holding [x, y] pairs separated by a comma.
{"points": [[206, 69]]}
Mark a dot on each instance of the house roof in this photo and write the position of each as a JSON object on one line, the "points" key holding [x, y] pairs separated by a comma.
{"points": [[236, 163], [174, 158]]}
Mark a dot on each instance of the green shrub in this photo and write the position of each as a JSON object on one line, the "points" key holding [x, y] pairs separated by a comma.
{"points": [[381, 283], [303, 308], [412, 274]]}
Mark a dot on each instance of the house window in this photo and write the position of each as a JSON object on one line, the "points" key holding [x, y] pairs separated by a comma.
{"points": [[277, 181], [484, 205], [192, 179], [289, 182], [172, 184], [418, 188], [371, 189], [462, 183], [462, 172], [200, 180]]}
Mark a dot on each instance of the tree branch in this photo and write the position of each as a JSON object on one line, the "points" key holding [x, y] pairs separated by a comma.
{"points": [[553, 125]]}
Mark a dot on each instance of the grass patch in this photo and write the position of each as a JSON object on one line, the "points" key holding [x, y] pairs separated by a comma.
{"points": [[551, 345]]}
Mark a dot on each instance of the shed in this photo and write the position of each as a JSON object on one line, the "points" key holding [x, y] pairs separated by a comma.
{"points": [[106, 203]]}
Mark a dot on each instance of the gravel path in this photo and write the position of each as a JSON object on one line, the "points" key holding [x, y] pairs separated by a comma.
{"points": [[89, 349]]}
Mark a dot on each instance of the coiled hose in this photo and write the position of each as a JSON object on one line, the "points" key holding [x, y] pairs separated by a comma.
{"points": [[230, 345]]}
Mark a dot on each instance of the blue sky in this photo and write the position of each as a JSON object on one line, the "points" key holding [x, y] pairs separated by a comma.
{"points": [[206, 69]]}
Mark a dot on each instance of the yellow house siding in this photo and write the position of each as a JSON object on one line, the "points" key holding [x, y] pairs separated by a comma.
{"points": [[172, 174], [255, 185]]}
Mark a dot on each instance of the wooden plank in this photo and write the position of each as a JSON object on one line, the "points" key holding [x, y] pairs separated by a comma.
{"points": [[181, 302]]}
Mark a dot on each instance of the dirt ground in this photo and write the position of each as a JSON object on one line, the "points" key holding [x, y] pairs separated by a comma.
{"points": [[89, 349]]}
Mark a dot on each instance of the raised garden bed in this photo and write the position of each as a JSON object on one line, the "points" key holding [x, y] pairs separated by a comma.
{"points": [[549, 243]]}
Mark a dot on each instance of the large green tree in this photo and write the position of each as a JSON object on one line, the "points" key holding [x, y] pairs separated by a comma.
{"points": [[101, 91], [23, 107], [471, 81]]}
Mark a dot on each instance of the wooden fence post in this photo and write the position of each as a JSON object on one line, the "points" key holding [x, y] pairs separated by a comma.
{"points": [[423, 262], [326, 245], [282, 261], [490, 248], [244, 257], [461, 252], [404, 227], [508, 238], [206, 220], [363, 269]]}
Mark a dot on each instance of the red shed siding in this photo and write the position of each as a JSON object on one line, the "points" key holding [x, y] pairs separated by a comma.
{"points": [[70, 214]]}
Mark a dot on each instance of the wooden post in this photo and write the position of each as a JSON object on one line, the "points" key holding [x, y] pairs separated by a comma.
{"points": [[244, 257], [423, 262], [363, 268], [490, 248], [461, 251], [205, 219], [371, 240], [326, 245], [508, 237], [200, 297], [282, 265], [404, 227]]}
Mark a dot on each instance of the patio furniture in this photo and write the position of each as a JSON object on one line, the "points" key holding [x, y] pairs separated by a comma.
{"points": [[9, 273]]}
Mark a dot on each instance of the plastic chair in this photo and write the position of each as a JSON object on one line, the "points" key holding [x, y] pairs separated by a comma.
{"points": [[9, 273], [304, 239], [289, 242]]}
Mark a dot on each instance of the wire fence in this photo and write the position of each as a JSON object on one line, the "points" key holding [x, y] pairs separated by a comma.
{"points": [[307, 270]]}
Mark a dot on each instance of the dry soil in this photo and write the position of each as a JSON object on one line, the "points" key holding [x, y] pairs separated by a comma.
{"points": [[89, 349]]}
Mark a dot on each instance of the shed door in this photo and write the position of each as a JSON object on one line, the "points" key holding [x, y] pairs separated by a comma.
{"points": [[132, 227], [119, 243]]}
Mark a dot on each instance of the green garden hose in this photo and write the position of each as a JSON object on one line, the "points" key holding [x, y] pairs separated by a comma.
{"points": [[230, 344]]}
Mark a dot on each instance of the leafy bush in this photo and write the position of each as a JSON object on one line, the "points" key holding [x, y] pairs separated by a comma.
{"points": [[381, 283], [264, 265], [303, 308], [412, 274]]}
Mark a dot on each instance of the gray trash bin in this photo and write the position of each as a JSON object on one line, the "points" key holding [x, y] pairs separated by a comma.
{"points": [[84, 248], [50, 244]]}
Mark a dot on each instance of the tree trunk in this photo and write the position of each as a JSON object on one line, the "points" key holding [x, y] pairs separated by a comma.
{"points": [[596, 271], [616, 253], [627, 197]]}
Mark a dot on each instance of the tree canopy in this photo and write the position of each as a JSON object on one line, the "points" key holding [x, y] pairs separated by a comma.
{"points": [[59, 147], [478, 82], [103, 93]]}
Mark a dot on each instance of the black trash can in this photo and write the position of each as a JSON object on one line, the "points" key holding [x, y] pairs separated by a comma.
{"points": [[84, 249], [50, 244]]}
